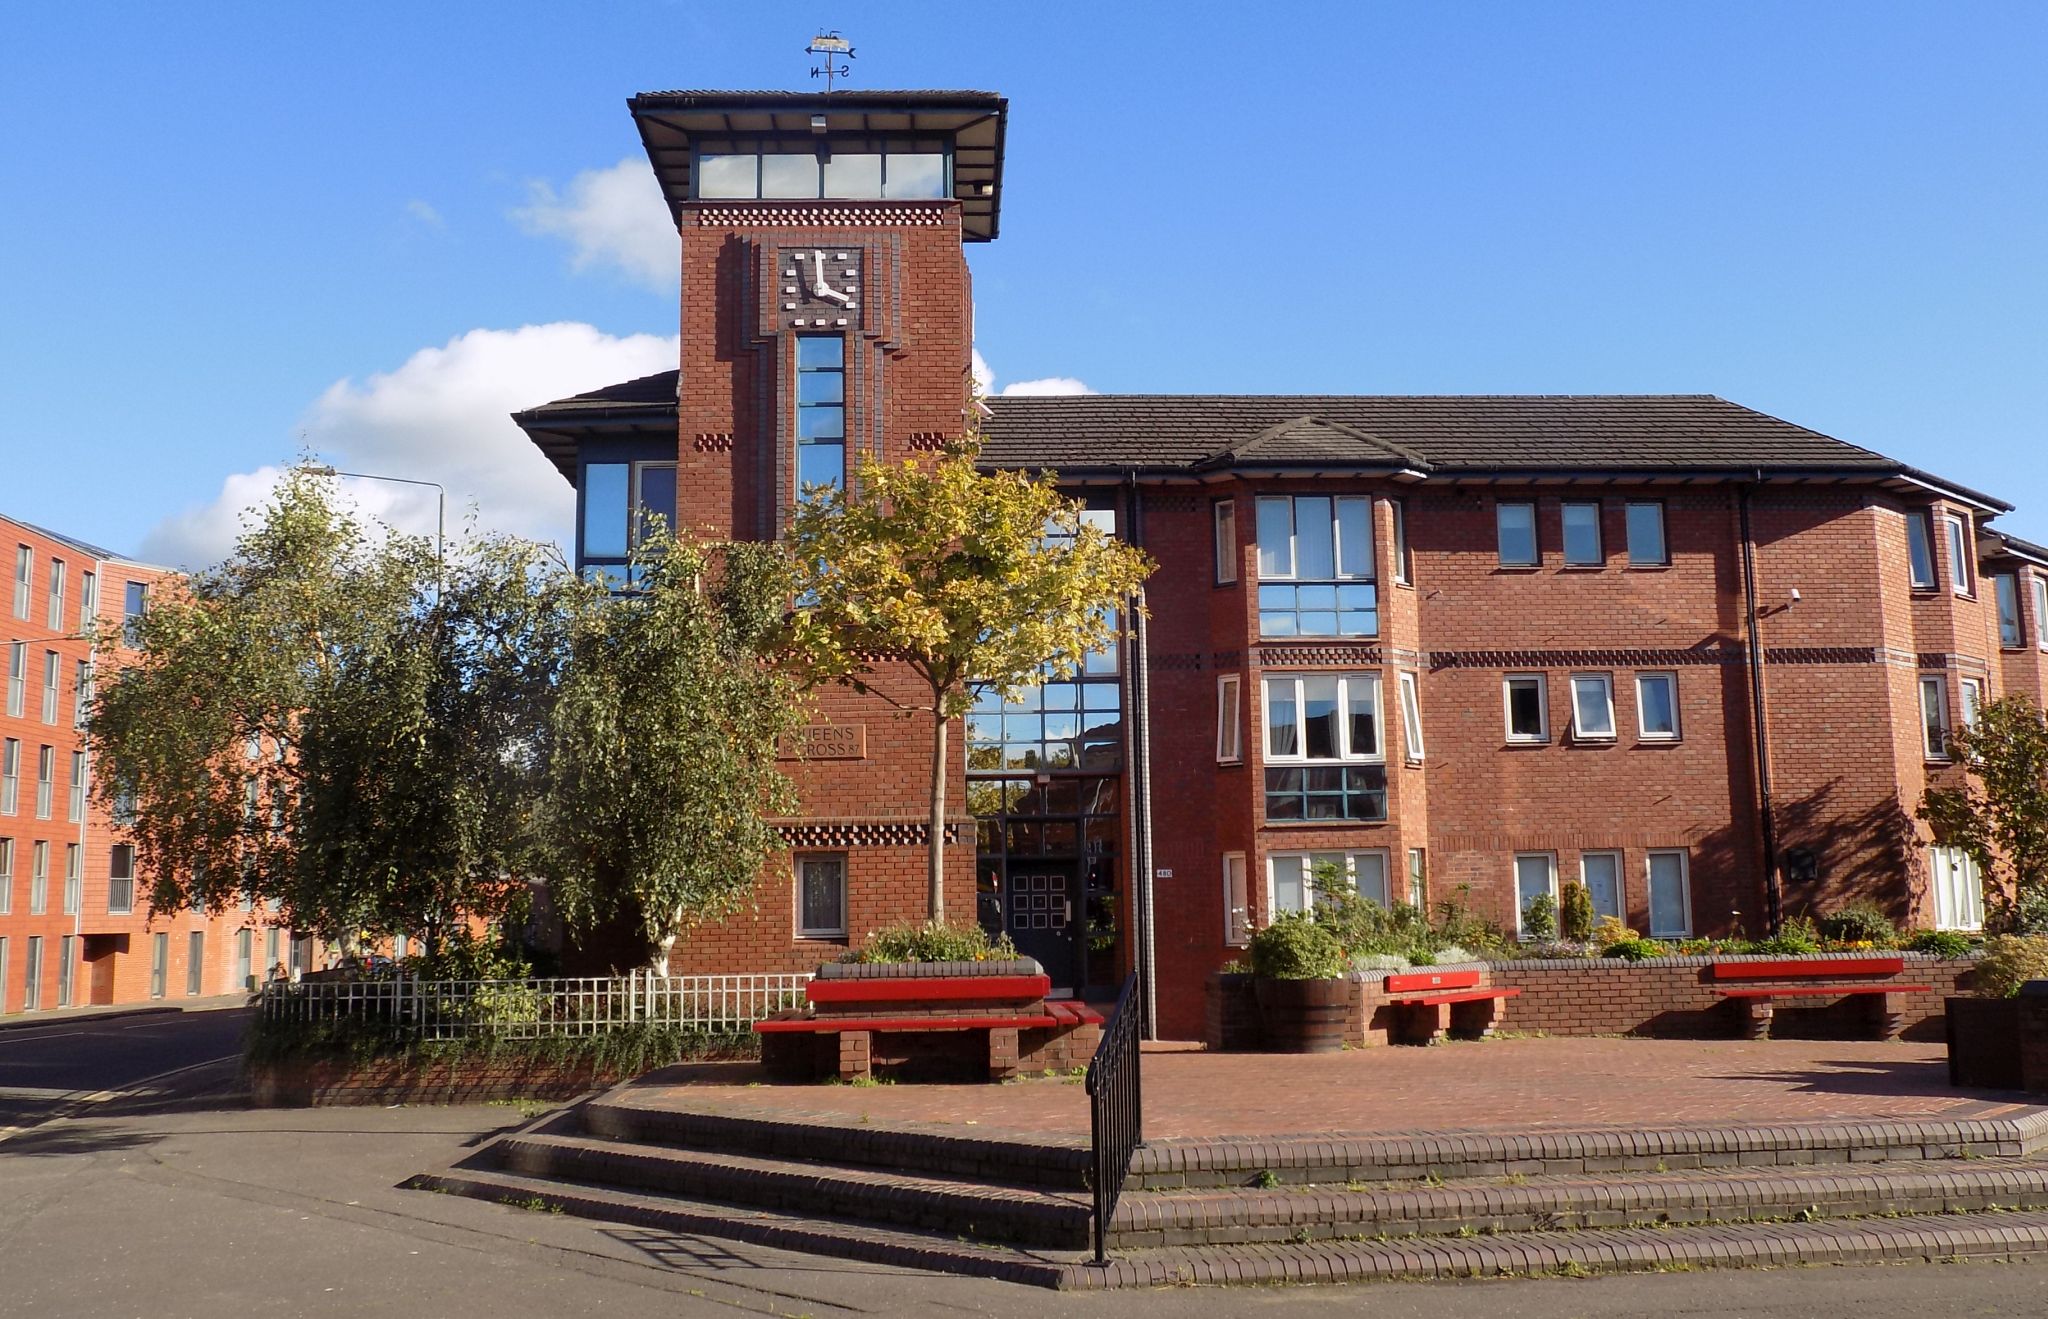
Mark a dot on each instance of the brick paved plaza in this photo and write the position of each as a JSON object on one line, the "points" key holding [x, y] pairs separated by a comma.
{"points": [[1487, 1085]]}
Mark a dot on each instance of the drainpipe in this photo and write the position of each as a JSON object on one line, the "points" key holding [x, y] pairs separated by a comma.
{"points": [[1141, 796], [1759, 715]]}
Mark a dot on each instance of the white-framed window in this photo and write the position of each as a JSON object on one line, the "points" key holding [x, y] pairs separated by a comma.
{"points": [[1970, 696], [74, 878], [38, 878], [1593, 707], [1291, 880], [1324, 754], [1920, 549], [134, 604], [1526, 699], [1934, 715], [88, 601], [1535, 876], [1229, 722], [1657, 707], [6, 876], [1600, 872], [121, 880], [1237, 900], [1404, 565], [1223, 514], [1962, 574], [1316, 567], [1670, 894], [1514, 533], [17, 678], [2005, 589], [1958, 888], [1648, 546], [821, 895], [75, 803], [10, 775], [1411, 717], [1418, 878], [24, 571], [53, 616], [81, 693], [2040, 584], [46, 781], [53, 666], [1582, 534]]}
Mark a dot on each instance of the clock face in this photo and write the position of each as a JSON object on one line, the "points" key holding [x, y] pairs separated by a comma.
{"points": [[818, 287]]}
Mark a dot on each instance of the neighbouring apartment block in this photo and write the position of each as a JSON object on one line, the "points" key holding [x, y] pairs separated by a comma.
{"points": [[1699, 658], [76, 926]]}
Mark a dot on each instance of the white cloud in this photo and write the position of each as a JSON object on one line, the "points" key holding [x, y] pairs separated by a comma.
{"points": [[441, 416], [984, 377], [425, 213], [610, 217], [1047, 385]]}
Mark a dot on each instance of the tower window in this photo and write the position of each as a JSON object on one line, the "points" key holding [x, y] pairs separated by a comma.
{"points": [[820, 410], [893, 168]]}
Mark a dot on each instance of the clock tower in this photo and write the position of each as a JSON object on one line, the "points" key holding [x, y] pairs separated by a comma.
{"points": [[826, 309]]}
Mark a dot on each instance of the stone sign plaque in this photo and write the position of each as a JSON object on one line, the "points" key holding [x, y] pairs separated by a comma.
{"points": [[827, 742]]}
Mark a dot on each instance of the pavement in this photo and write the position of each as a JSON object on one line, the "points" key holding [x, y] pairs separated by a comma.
{"points": [[172, 1206], [59, 1064], [1475, 1086]]}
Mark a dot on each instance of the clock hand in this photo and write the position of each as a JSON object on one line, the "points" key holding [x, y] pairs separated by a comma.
{"points": [[820, 287]]}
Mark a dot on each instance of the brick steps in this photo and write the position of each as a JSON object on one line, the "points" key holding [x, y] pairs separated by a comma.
{"points": [[1186, 1218], [984, 1212], [1333, 1208]]}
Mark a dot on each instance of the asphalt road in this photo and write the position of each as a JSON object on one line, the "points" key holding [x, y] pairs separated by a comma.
{"points": [[54, 1067], [173, 1205]]}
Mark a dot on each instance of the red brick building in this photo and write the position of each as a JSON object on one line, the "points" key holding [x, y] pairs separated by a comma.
{"points": [[1698, 657], [75, 922]]}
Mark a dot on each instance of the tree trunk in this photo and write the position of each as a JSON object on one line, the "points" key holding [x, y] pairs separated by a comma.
{"points": [[935, 843], [661, 953]]}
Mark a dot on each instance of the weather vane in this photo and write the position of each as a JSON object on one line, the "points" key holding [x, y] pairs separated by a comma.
{"points": [[835, 49]]}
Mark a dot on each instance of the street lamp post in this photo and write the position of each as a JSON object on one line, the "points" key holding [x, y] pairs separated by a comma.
{"points": [[440, 505]]}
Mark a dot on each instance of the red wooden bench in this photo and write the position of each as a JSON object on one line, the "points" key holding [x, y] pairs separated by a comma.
{"points": [[1420, 1000], [858, 1010], [1758, 1001]]}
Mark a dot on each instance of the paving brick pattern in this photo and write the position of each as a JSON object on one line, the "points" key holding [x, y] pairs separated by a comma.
{"points": [[1492, 1084]]}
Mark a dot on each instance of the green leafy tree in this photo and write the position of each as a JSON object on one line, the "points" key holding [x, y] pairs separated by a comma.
{"points": [[661, 774], [334, 721], [973, 581], [1999, 814]]}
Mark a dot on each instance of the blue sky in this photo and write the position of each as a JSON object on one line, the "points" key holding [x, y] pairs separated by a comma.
{"points": [[230, 230]]}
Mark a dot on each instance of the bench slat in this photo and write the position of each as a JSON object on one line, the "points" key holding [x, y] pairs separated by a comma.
{"points": [[837, 1024], [1808, 968], [1455, 996], [928, 989], [1836, 991]]}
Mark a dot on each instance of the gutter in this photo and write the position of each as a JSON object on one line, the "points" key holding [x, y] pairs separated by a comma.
{"points": [[1759, 715], [1141, 796]]}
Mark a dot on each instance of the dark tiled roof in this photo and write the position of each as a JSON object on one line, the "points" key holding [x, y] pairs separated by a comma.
{"points": [[691, 97], [1445, 433], [1311, 441], [2004, 543], [659, 388], [82, 546]]}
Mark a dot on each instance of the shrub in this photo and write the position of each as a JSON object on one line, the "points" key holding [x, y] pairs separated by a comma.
{"points": [[463, 955], [1941, 943], [1451, 952], [1860, 922], [1361, 925], [1379, 962], [1796, 937], [1539, 919], [1455, 924], [1575, 912], [2026, 914], [1423, 957], [1636, 949], [1295, 947], [933, 941], [2009, 961], [1610, 930]]}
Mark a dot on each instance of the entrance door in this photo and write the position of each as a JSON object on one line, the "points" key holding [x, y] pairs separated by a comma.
{"points": [[1042, 912]]}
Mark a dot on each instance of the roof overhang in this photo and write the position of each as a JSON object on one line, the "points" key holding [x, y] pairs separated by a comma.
{"points": [[558, 431], [671, 123]]}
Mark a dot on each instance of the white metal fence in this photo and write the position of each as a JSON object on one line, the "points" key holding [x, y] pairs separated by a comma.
{"points": [[536, 1009]]}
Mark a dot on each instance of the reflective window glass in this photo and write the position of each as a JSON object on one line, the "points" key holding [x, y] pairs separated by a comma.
{"points": [[789, 174], [604, 509], [918, 174], [853, 174]]}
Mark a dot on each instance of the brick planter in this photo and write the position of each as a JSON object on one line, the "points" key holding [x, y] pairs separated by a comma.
{"points": [[320, 1083]]}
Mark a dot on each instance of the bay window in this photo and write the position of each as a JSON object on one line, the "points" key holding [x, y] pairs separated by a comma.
{"points": [[1324, 756], [621, 502], [1316, 574]]}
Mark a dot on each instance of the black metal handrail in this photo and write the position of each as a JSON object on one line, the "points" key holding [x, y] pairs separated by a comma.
{"points": [[1116, 1117]]}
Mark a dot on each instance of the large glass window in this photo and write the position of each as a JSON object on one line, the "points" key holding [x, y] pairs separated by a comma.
{"points": [[1514, 529], [1670, 895], [1646, 543], [1920, 549], [1316, 567], [1065, 724], [871, 168], [1958, 889], [621, 502], [1324, 755], [1292, 881], [2006, 588], [821, 896], [1600, 872], [820, 410], [1582, 535], [1535, 876]]}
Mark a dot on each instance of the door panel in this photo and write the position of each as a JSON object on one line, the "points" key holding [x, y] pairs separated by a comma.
{"points": [[1041, 911]]}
